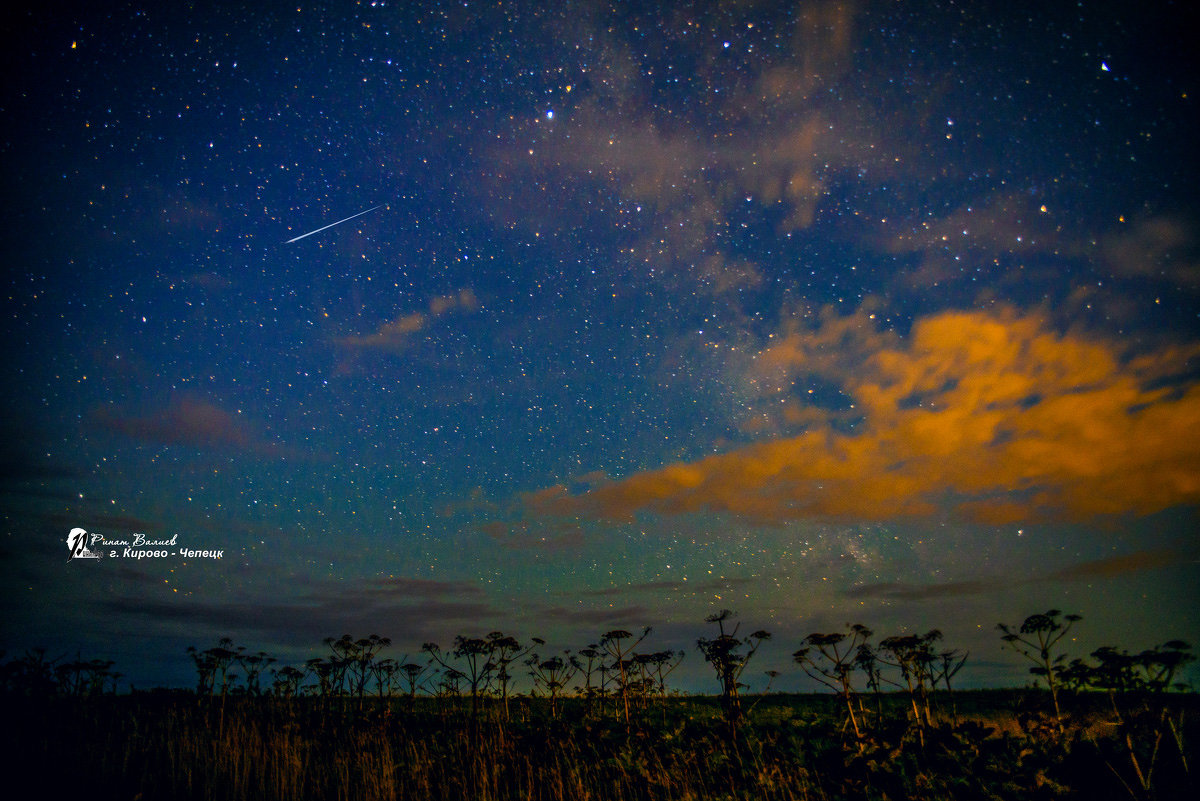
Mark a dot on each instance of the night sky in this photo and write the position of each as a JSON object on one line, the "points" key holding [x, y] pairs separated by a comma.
{"points": [[821, 312]]}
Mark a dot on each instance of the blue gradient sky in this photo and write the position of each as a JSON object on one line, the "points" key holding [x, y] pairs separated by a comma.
{"points": [[821, 312]]}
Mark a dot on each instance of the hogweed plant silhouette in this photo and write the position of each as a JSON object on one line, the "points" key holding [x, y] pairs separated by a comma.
{"points": [[831, 660], [353, 661], [729, 657], [551, 675], [1037, 640], [504, 651], [287, 682], [350, 723], [1136, 686], [619, 645], [655, 668], [477, 661], [593, 667], [913, 656], [413, 675]]}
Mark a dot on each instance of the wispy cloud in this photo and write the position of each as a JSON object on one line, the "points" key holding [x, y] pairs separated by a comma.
{"points": [[1108, 567], [625, 615], [678, 176], [1112, 566], [405, 609], [900, 591], [1163, 249], [118, 526], [394, 335], [189, 422], [542, 536], [659, 588]]}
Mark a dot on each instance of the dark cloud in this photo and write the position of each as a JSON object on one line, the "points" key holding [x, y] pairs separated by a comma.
{"points": [[1108, 567], [26, 470], [395, 588], [1113, 566], [190, 422], [23, 468], [899, 591], [589, 617], [667, 588], [406, 610]]}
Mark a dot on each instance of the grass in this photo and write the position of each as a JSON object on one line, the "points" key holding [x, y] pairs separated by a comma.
{"points": [[178, 746]]}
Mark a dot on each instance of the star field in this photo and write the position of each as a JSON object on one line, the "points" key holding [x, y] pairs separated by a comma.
{"points": [[823, 312]]}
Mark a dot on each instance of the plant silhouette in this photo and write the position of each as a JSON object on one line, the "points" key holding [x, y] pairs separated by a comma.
{"points": [[1037, 639], [586, 723], [729, 657], [831, 659]]}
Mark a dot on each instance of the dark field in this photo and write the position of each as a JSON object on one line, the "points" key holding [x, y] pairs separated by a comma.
{"points": [[603, 724], [978, 745]]}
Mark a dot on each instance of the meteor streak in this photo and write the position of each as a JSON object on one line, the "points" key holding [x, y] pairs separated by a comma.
{"points": [[339, 222]]}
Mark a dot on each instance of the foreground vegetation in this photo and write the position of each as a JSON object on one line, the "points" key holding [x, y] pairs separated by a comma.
{"points": [[601, 724]]}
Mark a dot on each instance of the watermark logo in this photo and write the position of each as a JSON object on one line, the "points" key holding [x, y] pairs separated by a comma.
{"points": [[77, 542], [83, 545]]}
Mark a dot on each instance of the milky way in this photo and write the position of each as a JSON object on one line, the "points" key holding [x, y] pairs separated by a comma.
{"points": [[821, 312]]}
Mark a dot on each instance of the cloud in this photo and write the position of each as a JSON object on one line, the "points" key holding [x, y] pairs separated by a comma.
{"points": [[189, 422], [1159, 248], [994, 234], [627, 615], [405, 609], [23, 471], [991, 416], [674, 173], [900, 591], [394, 335], [474, 503], [211, 281], [1113, 566], [1108, 567], [396, 588], [521, 535], [658, 588]]}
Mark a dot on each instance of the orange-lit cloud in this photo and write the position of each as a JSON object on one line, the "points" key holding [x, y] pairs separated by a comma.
{"points": [[992, 416], [474, 503]]}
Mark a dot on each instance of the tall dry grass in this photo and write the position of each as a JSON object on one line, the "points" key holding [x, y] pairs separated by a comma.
{"points": [[129, 748], [181, 747]]}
